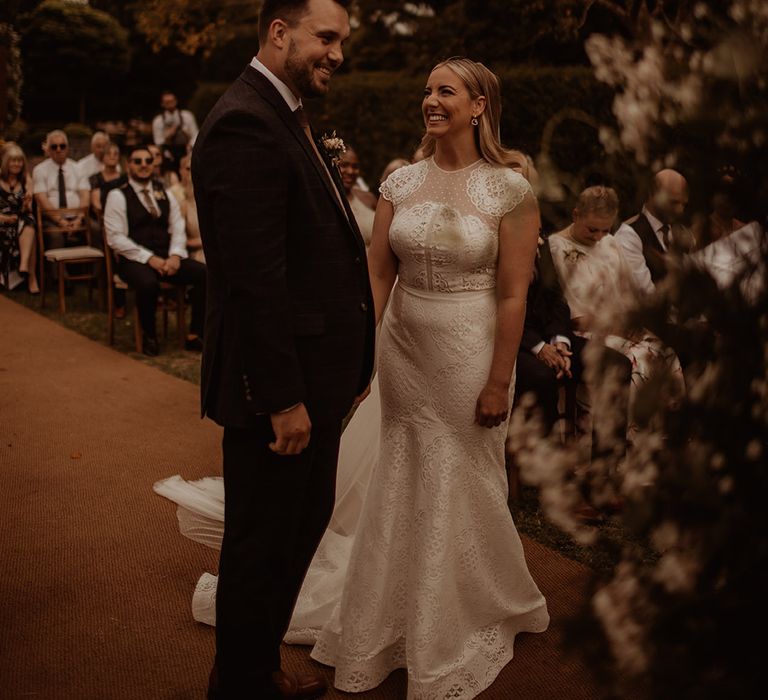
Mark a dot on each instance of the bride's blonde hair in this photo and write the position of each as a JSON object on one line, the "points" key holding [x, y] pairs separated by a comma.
{"points": [[480, 82]]}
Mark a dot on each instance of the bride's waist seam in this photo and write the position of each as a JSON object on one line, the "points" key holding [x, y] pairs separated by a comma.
{"points": [[446, 295]]}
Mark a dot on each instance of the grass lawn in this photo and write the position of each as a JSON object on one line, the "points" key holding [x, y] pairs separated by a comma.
{"points": [[90, 320]]}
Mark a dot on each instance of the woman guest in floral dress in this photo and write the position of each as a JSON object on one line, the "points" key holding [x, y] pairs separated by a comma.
{"points": [[17, 227], [597, 284]]}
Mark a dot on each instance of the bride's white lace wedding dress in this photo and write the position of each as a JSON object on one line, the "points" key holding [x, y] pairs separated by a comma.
{"points": [[431, 576]]}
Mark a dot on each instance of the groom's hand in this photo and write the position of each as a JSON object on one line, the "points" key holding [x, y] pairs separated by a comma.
{"points": [[292, 431], [362, 396]]}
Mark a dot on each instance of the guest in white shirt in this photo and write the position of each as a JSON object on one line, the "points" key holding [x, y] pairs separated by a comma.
{"points": [[174, 129], [144, 227], [646, 238], [58, 184], [93, 163]]}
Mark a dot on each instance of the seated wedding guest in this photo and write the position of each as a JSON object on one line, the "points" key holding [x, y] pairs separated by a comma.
{"points": [[144, 227], [174, 130], [57, 184], [107, 179], [646, 238], [598, 285], [17, 227], [362, 203], [93, 163], [163, 174], [184, 193]]}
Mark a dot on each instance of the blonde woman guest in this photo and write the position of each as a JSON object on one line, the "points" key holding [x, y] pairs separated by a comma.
{"points": [[184, 193], [362, 203], [17, 226], [599, 288]]}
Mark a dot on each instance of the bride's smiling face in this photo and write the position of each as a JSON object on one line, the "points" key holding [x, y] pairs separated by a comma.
{"points": [[448, 108]]}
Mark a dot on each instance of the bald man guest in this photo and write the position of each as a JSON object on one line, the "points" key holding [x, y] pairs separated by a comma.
{"points": [[647, 238]]}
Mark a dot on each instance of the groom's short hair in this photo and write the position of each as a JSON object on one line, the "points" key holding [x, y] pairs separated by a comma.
{"points": [[289, 10]]}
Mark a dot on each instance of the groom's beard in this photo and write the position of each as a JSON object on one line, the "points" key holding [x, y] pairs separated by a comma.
{"points": [[301, 74]]}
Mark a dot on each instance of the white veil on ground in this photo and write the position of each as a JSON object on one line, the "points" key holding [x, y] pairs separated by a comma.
{"points": [[201, 518]]}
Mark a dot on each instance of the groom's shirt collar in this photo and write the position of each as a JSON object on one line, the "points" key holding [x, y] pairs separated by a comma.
{"points": [[291, 100]]}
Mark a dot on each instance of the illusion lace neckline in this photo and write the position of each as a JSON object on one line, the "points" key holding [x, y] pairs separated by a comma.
{"points": [[460, 170]]}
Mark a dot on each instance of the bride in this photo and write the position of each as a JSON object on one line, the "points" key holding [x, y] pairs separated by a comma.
{"points": [[422, 567]]}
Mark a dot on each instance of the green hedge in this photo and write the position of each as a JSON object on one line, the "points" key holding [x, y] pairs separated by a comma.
{"points": [[380, 114]]}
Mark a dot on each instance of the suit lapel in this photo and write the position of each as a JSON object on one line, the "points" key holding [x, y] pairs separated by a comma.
{"points": [[268, 91]]}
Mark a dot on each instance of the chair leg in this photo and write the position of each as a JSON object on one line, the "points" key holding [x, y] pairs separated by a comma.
{"points": [[181, 316], [62, 274], [137, 332], [41, 282]]}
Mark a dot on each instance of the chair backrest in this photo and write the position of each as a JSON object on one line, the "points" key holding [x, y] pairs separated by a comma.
{"points": [[48, 223]]}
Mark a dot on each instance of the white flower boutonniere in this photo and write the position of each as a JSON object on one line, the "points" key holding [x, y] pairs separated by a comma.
{"points": [[159, 194], [333, 146]]}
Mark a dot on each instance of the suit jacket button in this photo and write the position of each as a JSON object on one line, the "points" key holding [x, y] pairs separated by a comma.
{"points": [[363, 306], [357, 261]]}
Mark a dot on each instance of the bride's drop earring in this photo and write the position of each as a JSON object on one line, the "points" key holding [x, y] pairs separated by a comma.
{"points": [[474, 121]]}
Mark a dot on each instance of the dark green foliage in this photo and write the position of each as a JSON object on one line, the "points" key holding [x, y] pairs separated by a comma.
{"points": [[69, 51]]}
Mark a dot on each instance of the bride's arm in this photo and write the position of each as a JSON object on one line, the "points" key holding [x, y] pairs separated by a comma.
{"points": [[518, 235], [382, 262]]}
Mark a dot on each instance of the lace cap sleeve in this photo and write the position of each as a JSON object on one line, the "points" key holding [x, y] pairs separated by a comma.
{"points": [[496, 190], [403, 182]]}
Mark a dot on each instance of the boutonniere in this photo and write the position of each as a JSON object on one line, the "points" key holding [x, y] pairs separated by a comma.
{"points": [[573, 255], [159, 195], [333, 146]]}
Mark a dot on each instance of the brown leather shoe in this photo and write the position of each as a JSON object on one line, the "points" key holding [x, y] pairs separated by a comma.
{"points": [[299, 687]]}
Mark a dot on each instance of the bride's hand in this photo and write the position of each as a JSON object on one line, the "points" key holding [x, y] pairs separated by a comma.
{"points": [[492, 406]]}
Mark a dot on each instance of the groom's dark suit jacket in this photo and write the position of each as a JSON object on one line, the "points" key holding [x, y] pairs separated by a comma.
{"points": [[289, 309]]}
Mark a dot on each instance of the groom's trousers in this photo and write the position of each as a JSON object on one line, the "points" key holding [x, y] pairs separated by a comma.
{"points": [[276, 511]]}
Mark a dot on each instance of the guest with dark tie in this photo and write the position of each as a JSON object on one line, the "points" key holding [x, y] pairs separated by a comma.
{"points": [[58, 184], [144, 227], [647, 238]]}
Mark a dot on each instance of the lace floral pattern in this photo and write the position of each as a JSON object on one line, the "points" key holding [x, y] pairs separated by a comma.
{"points": [[445, 230], [437, 581], [496, 191], [404, 182]]}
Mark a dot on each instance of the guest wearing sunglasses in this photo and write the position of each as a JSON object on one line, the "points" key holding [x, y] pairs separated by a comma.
{"points": [[144, 227], [58, 184]]}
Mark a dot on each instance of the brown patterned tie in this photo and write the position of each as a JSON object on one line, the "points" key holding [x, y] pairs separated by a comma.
{"points": [[149, 204]]}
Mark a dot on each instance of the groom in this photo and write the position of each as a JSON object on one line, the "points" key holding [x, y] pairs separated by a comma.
{"points": [[289, 334]]}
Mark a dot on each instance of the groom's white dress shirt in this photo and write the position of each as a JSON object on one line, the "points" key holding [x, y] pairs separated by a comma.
{"points": [[291, 100]]}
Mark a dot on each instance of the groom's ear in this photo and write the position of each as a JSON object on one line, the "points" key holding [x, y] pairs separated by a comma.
{"points": [[278, 33]]}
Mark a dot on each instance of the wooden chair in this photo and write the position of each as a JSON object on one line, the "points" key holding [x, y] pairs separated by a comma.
{"points": [[83, 255], [168, 292]]}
